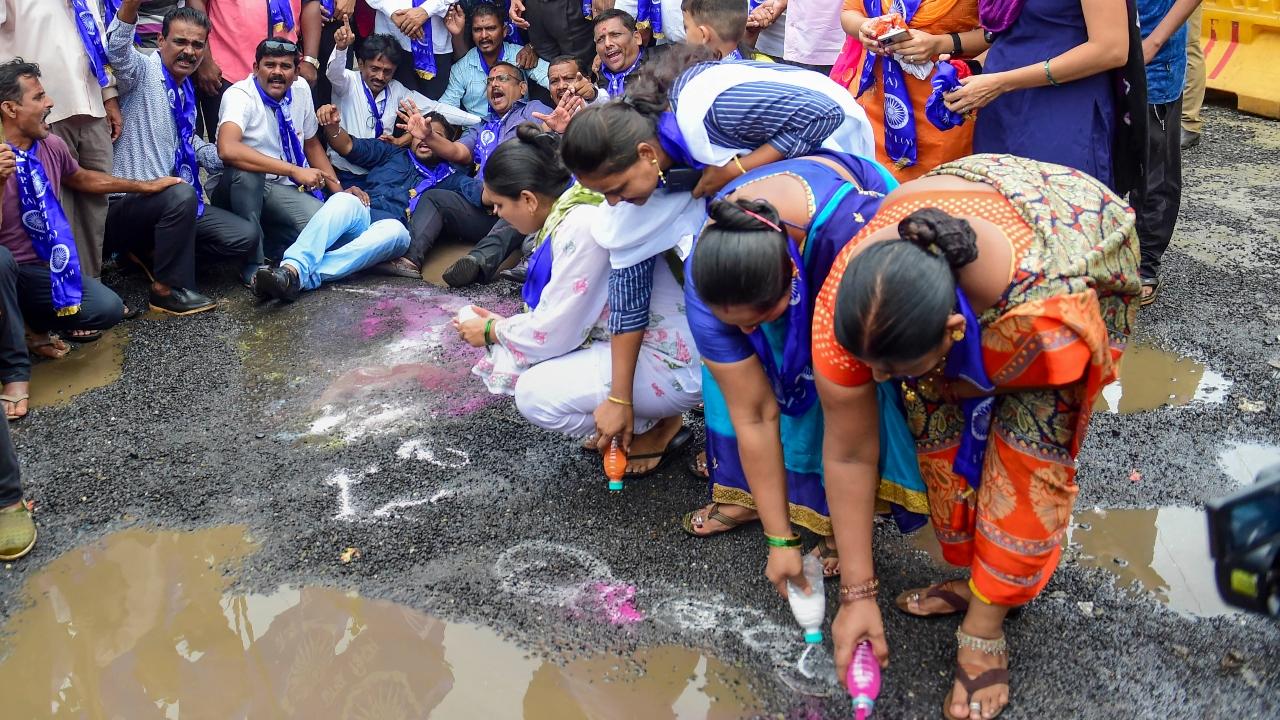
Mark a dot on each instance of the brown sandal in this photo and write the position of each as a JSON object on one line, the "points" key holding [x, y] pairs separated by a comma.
{"points": [[826, 550], [956, 601], [50, 347], [729, 523], [984, 680], [16, 400]]}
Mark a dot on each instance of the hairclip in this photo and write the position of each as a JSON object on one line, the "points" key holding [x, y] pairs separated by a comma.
{"points": [[771, 224]]}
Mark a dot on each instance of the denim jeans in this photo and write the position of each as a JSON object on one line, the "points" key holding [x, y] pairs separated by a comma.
{"points": [[341, 239]]}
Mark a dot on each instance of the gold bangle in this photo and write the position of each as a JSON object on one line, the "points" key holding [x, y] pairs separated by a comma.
{"points": [[619, 401], [738, 161], [860, 591]]}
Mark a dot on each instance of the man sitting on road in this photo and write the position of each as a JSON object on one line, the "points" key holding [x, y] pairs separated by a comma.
{"points": [[358, 228], [369, 98], [620, 50], [565, 74], [467, 80], [43, 285], [163, 232], [267, 140]]}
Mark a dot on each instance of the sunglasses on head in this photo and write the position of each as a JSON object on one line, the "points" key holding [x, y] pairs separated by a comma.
{"points": [[282, 45]]}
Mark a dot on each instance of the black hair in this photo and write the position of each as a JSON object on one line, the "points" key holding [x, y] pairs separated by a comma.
{"points": [[11, 74], [740, 259], [530, 161], [895, 297], [727, 17], [451, 132], [380, 45], [266, 49], [487, 8], [519, 73], [603, 138], [562, 59], [186, 15], [628, 21]]}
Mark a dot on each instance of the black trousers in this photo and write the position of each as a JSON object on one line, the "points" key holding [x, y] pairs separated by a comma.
{"points": [[26, 298], [445, 211], [275, 213], [433, 88], [165, 226], [1158, 196], [557, 27], [10, 475]]}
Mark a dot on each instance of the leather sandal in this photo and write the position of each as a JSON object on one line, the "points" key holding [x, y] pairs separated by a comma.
{"points": [[694, 519], [987, 679], [826, 550], [957, 602]]}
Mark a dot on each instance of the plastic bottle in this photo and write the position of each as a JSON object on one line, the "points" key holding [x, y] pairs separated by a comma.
{"points": [[863, 680], [467, 312], [615, 464], [810, 610]]}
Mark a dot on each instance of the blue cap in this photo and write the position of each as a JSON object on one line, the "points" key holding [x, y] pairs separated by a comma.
{"points": [[813, 637], [615, 485]]}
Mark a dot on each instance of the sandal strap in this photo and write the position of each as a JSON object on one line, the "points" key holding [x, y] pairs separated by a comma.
{"points": [[957, 602], [994, 676], [15, 398], [728, 522]]}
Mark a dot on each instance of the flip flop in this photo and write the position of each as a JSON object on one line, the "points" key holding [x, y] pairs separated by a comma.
{"points": [[50, 347], [976, 684], [15, 399], [956, 601], [88, 337], [1155, 285], [729, 523], [678, 441]]}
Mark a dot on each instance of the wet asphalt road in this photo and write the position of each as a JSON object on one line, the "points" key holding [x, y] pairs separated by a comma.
{"points": [[347, 420]]}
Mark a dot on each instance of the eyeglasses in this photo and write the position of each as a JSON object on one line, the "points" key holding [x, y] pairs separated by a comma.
{"points": [[281, 45], [501, 78]]}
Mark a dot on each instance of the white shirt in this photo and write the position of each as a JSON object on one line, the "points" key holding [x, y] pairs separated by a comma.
{"points": [[813, 35], [353, 106], [242, 105], [441, 39], [45, 32], [672, 19]]}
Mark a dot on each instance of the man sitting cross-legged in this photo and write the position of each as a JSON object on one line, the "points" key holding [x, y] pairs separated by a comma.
{"points": [[359, 228], [42, 283]]}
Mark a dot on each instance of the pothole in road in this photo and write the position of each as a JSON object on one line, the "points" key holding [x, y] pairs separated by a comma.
{"points": [[141, 624], [87, 367], [1166, 550], [1152, 378]]}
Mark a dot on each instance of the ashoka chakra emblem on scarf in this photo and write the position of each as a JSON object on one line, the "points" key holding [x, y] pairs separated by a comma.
{"points": [[33, 221], [895, 112], [487, 137], [59, 256], [184, 172]]}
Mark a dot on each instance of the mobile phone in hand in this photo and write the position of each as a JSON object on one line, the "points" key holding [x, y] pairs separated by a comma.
{"points": [[893, 36]]}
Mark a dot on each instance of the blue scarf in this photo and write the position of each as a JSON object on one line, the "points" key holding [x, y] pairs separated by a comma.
{"points": [[424, 52], [899, 117], [617, 82], [289, 142], [793, 382], [944, 80], [650, 11], [539, 274], [280, 13], [514, 34], [374, 110], [431, 176], [964, 362], [50, 233], [87, 26], [182, 104], [487, 139], [673, 143], [735, 55], [328, 8]]}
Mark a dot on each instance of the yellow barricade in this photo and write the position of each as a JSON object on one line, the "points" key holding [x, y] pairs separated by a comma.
{"points": [[1241, 41]]}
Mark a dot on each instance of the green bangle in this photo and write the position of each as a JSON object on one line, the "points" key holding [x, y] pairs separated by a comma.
{"points": [[775, 541], [488, 328], [1049, 75]]}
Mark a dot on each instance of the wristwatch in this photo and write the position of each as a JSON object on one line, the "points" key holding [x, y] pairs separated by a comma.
{"points": [[314, 62]]}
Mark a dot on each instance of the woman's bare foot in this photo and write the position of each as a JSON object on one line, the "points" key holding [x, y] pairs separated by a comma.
{"points": [[710, 520], [653, 442]]}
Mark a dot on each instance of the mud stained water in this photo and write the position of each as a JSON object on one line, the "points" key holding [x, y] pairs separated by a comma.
{"points": [[1151, 378], [1166, 550], [439, 260], [142, 625], [86, 367]]}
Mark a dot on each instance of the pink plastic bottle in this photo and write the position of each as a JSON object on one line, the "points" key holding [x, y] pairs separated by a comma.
{"points": [[863, 679]]}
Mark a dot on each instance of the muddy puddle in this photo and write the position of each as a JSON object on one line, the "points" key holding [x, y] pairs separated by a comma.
{"points": [[142, 625], [1151, 378], [87, 367], [1165, 550]]}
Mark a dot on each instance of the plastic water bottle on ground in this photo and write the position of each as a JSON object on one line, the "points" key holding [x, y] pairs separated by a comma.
{"points": [[615, 465], [863, 680], [810, 610]]}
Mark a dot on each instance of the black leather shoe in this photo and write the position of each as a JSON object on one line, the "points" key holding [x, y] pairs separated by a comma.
{"points": [[516, 274], [1189, 139], [278, 283], [181, 301], [464, 271]]}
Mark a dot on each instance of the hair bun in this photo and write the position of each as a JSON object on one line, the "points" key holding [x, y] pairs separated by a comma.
{"points": [[544, 142], [937, 233], [744, 215]]}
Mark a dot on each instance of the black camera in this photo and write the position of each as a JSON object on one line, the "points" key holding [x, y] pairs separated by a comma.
{"points": [[1244, 541]]}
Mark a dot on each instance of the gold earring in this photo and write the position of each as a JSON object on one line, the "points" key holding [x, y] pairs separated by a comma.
{"points": [[662, 179], [957, 335]]}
